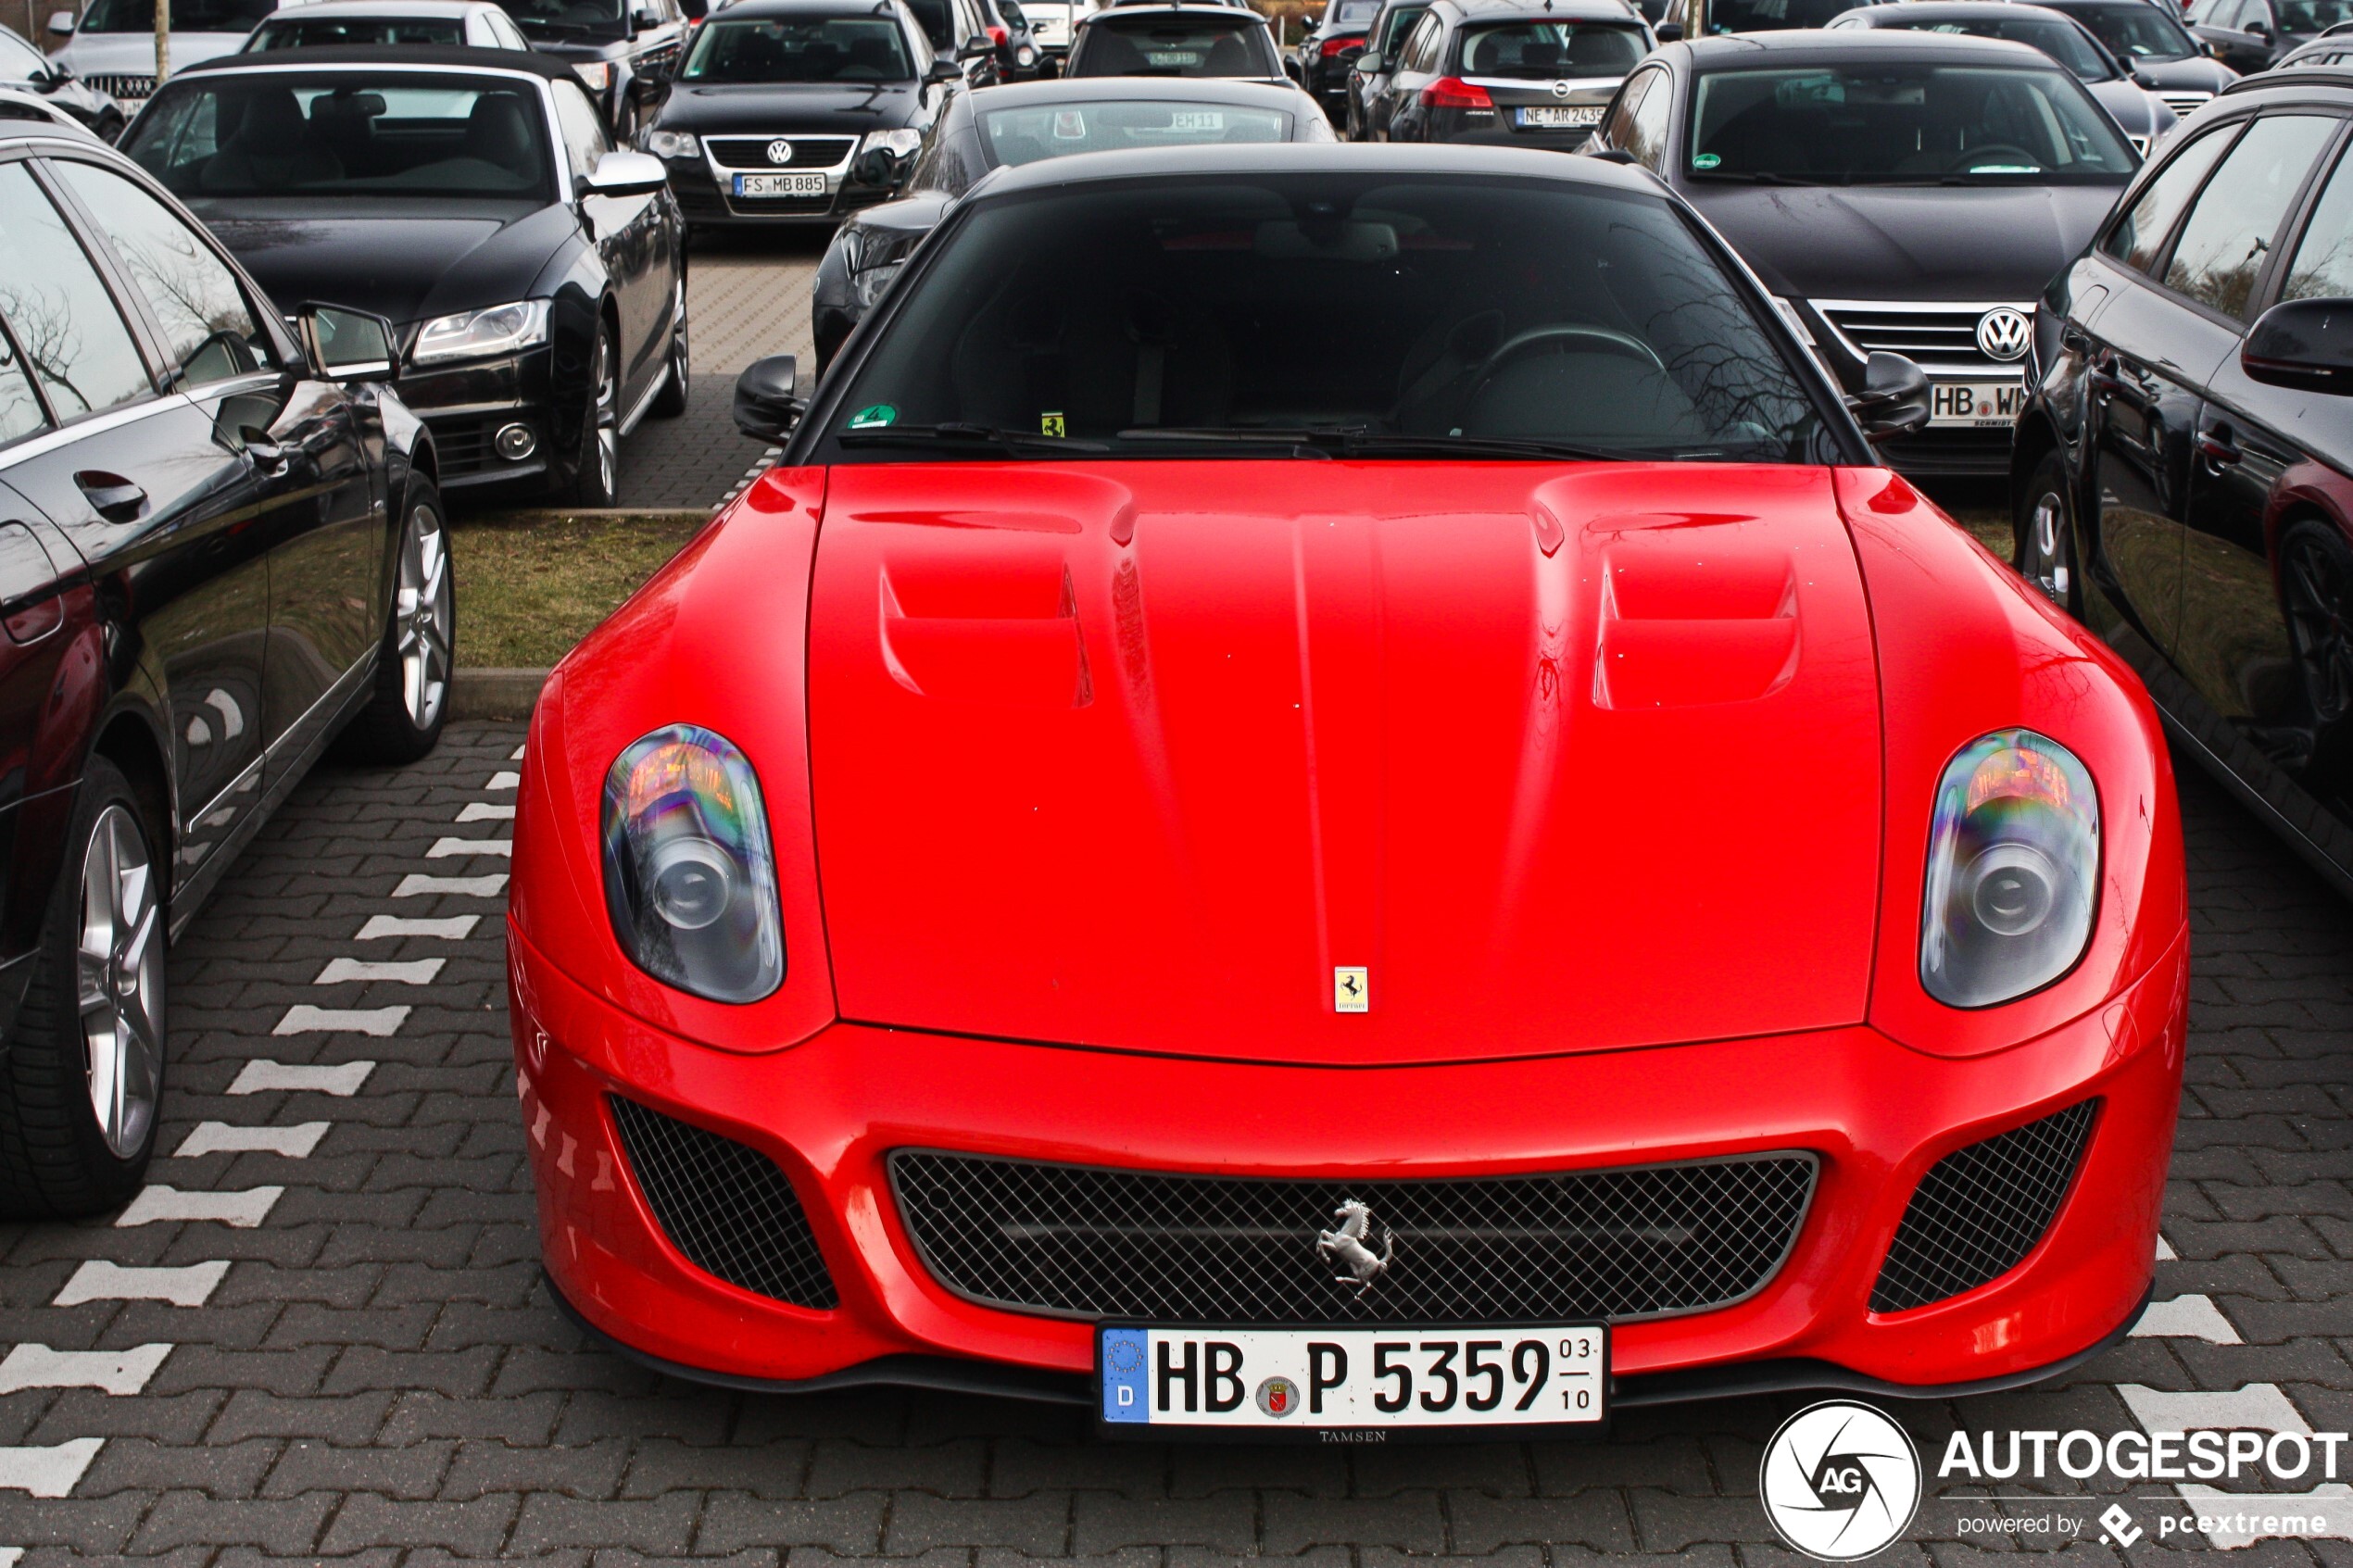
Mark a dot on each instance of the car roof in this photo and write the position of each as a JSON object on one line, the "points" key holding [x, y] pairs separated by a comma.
{"points": [[446, 56], [1575, 10], [16, 132], [1233, 15], [1813, 46], [2328, 83], [1238, 91], [1404, 160], [742, 9], [46, 115], [434, 10], [1947, 8]]}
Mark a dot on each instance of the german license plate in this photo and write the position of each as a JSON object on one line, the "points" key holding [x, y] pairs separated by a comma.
{"points": [[1350, 1385], [780, 184], [1561, 117], [1975, 404]]}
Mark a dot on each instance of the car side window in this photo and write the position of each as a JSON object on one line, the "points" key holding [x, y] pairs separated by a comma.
{"points": [[584, 129], [21, 411], [2235, 219], [1420, 45], [210, 328], [59, 311], [1618, 122], [2324, 265], [2138, 239], [1646, 126]]}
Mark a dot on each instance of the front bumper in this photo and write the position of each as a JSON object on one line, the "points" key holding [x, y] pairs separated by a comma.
{"points": [[828, 1111], [466, 405], [704, 204]]}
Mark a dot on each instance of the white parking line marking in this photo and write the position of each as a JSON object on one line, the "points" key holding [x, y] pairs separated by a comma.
{"points": [[2186, 1317], [9, 1555], [408, 971], [452, 928], [504, 778], [261, 1077], [2259, 1407], [163, 1204], [97, 1280], [220, 1137], [443, 848], [47, 1471], [304, 1019], [416, 883], [2324, 1513], [2165, 1253], [518, 755], [484, 811], [117, 1372]]}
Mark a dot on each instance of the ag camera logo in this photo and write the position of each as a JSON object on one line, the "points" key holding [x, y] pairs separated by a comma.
{"points": [[1840, 1481]]}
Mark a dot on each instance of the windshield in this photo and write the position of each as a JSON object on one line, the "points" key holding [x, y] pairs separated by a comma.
{"points": [[1903, 124], [19, 61], [187, 16], [451, 137], [1543, 50], [2136, 31], [1241, 314], [559, 18], [1770, 16], [1145, 45], [311, 32], [2314, 15], [1400, 21], [861, 48], [1351, 16], [1018, 136], [2060, 40]]}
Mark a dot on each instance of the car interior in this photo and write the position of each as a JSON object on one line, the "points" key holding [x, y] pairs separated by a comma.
{"points": [[864, 48], [1541, 51], [1179, 46], [311, 33], [1026, 135]]}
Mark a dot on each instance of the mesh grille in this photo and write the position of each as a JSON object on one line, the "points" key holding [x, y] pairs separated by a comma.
{"points": [[1082, 1242], [725, 1205], [1979, 1211]]}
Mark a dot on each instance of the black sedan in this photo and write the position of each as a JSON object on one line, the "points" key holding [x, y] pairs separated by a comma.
{"points": [[1367, 81], [2181, 475], [798, 111], [1515, 73], [2251, 35], [1905, 191], [1331, 47], [2159, 49], [221, 547], [1026, 123], [22, 65], [1175, 40], [624, 50], [538, 282]]}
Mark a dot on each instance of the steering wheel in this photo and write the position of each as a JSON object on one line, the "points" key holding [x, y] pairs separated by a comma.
{"points": [[1560, 339], [1978, 156]]}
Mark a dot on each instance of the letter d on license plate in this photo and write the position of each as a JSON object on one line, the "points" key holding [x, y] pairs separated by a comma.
{"points": [[1350, 1384]]}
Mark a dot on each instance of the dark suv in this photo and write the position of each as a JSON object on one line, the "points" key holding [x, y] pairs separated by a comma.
{"points": [[2180, 477]]}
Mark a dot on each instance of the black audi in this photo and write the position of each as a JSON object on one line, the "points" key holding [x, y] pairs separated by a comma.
{"points": [[536, 275], [798, 111], [1904, 192], [1516, 73], [1006, 127]]}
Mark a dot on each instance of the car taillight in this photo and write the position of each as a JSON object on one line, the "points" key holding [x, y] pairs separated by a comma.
{"points": [[1340, 45], [998, 36], [1453, 92]]}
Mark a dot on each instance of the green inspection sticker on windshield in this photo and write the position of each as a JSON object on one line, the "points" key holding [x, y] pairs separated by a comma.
{"points": [[873, 417], [1704, 161]]}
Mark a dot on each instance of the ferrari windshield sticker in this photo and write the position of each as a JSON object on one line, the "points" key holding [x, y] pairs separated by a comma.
{"points": [[1051, 424], [873, 417]]}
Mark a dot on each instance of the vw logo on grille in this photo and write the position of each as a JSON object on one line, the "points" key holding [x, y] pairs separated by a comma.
{"points": [[780, 151], [1560, 89], [2003, 332]]}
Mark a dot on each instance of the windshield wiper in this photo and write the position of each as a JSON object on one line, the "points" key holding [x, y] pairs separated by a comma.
{"points": [[1754, 177], [1357, 441], [1017, 443], [1298, 443]]}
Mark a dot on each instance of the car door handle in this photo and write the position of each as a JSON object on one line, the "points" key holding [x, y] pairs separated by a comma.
{"points": [[2074, 339], [110, 495], [2216, 446]]}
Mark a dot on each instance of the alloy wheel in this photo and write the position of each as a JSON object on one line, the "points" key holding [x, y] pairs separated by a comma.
{"points": [[2046, 549], [118, 972], [2319, 584], [423, 615], [678, 354], [607, 414]]}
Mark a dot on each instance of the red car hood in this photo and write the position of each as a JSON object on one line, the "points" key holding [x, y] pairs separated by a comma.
{"points": [[1136, 756]]}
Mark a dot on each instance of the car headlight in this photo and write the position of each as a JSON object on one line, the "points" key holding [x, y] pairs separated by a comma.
{"points": [[898, 143], [2013, 870], [1026, 56], [868, 283], [597, 74], [673, 143], [471, 334], [690, 879]]}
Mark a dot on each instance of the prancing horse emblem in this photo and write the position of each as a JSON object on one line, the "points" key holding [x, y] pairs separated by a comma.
{"points": [[1346, 1245]]}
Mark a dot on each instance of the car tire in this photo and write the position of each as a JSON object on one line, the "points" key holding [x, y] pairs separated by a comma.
{"points": [[2043, 535], [2316, 590], [597, 466], [404, 717], [671, 401], [60, 1153]]}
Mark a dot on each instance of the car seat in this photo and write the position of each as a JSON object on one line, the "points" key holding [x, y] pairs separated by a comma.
{"points": [[497, 133], [1228, 57], [273, 149], [1594, 51]]}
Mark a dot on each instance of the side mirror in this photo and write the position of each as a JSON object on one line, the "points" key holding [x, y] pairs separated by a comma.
{"points": [[876, 167], [975, 47], [61, 24], [944, 70], [644, 17], [651, 80], [1893, 400], [347, 346], [1291, 69], [1610, 154], [2305, 343], [765, 407], [626, 174], [1368, 63], [1668, 32]]}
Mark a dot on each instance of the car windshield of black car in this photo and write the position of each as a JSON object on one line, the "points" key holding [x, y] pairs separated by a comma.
{"points": [[2058, 38], [1542, 51], [1147, 45], [1769, 16], [1892, 124], [592, 19], [287, 133], [849, 48], [187, 16], [308, 32], [2313, 16], [1044, 130], [2136, 29], [1357, 314]]}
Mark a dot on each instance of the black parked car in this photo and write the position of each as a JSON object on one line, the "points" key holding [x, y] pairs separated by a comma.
{"points": [[798, 111], [624, 50], [1709, 18], [958, 31], [535, 275], [2251, 35], [2150, 40], [2137, 112], [1368, 72], [1516, 73], [1905, 191], [1330, 48], [22, 65], [2181, 475], [1014, 125], [1176, 40], [221, 545]]}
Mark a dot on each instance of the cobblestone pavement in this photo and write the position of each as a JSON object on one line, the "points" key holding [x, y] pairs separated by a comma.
{"points": [[321, 1333]]}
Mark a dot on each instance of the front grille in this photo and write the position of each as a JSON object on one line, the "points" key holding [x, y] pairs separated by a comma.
{"points": [[1085, 1242], [751, 152], [463, 446], [779, 207], [2185, 104], [1979, 1211], [1936, 337], [725, 1205], [127, 88]]}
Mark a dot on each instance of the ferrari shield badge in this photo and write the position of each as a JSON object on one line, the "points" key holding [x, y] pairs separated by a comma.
{"points": [[1352, 988], [1051, 424]]}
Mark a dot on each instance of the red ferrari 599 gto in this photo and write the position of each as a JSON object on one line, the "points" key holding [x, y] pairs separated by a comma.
{"points": [[1493, 871]]}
